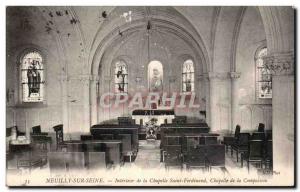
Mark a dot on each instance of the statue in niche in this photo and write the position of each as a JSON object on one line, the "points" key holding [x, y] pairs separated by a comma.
{"points": [[156, 81]]}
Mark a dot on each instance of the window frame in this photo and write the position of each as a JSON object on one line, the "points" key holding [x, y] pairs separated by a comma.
{"points": [[258, 74], [126, 77], [186, 73], [20, 58]]}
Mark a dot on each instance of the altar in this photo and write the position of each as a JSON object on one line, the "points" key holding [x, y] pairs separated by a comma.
{"points": [[161, 116], [150, 121]]}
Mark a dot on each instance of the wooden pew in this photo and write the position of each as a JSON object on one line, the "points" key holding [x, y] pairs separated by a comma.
{"points": [[75, 161], [173, 156], [57, 161], [194, 148], [112, 149], [240, 145], [66, 161], [96, 160], [127, 148], [86, 137], [196, 157], [183, 128], [215, 155], [74, 146], [115, 130], [169, 140]]}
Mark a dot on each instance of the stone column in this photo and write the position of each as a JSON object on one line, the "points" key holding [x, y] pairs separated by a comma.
{"points": [[86, 103], [104, 87], [283, 123], [234, 99], [94, 88], [219, 86], [207, 97], [213, 102], [64, 106]]}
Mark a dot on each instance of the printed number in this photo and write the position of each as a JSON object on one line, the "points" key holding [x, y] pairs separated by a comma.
{"points": [[27, 181]]}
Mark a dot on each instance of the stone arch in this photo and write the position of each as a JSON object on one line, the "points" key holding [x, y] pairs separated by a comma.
{"points": [[279, 28], [101, 41], [278, 38]]}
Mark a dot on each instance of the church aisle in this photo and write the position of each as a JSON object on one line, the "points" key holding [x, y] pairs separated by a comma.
{"points": [[149, 155]]}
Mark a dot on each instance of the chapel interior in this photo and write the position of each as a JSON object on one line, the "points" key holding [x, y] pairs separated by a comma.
{"points": [[69, 71]]}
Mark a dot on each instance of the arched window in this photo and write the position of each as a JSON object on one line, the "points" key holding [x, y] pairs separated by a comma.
{"points": [[32, 77], [155, 76], [121, 77], [263, 76], [188, 76]]}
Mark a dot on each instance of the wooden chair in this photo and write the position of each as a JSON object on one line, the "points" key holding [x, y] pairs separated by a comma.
{"points": [[41, 142], [57, 161], [173, 140], [126, 145], [258, 136], [254, 153], [73, 146], [27, 160], [113, 152], [229, 140], [86, 137], [96, 160], [196, 157], [211, 140], [169, 140], [240, 145], [215, 156], [40, 145], [173, 156], [36, 130], [268, 135], [75, 161], [268, 155], [261, 127], [59, 137], [106, 136]]}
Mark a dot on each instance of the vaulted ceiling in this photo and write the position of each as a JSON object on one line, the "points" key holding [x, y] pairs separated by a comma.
{"points": [[85, 32]]}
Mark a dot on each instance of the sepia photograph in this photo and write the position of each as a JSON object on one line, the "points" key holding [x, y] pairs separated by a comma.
{"points": [[150, 96]]}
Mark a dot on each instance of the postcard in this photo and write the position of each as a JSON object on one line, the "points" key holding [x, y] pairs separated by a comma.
{"points": [[150, 96]]}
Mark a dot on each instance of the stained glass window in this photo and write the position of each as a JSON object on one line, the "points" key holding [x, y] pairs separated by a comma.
{"points": [[264, 77], [121, 77], [32, 77], [188, 76], [155, 76]]}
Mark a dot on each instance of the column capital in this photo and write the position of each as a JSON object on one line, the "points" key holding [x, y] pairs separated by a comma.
{"points": [[82, 77], [280, 63], [94, 77], [218, 75], [202, 77], [107, 79], [235, 75]]}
